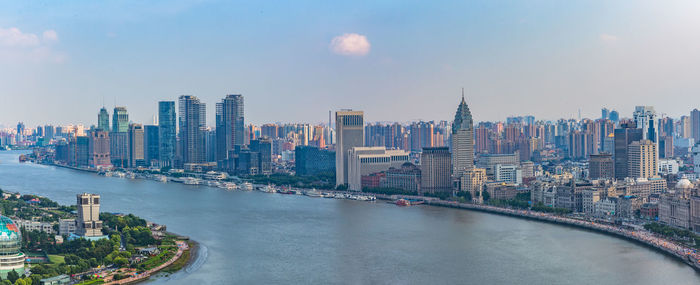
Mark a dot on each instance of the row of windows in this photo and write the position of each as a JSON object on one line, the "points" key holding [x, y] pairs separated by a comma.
{"points": [[353, 120]]}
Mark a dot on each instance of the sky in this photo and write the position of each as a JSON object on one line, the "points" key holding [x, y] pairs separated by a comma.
{"points": [[293, 61]]}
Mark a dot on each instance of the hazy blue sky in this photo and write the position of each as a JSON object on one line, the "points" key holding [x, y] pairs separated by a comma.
{"points": [[396, 60]]}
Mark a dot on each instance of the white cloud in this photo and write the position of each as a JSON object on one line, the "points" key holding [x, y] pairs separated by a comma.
{"points": [[350, 44], [50, 36], [13, 37], [18, 46], [608, 38]]}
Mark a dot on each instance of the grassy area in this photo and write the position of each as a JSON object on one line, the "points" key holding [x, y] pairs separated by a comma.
{"points": [[180, 262], [56, 259], [92, 282]]}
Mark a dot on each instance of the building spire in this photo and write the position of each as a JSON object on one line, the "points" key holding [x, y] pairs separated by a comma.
{"points": [[462, 94]]}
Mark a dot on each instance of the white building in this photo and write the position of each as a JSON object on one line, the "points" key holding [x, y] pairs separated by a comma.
{"points": [[508, 173], [363, 161], [66, 226], [669, 166], [605, 207]]}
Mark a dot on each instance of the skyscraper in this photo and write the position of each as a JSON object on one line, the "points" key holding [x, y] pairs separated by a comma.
{"points": [[349, 127], [103, 120], [435, 170], [624, 136], [167, 137], [230, 125], [98, 149], [151, 144], [462, 140], [695, 124], [120, 120], [642, 159], [192, 122], [136, 141], [645, 118], [88, 222]]}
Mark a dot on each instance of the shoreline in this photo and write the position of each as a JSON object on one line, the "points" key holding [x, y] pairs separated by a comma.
{"points": [[631, 236]]}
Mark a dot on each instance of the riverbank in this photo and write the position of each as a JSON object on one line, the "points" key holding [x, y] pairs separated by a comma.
{"points": [[682, 253]]}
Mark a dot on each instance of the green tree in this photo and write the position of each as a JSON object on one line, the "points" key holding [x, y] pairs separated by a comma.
{"points": [[12, 276], [120, 261]]}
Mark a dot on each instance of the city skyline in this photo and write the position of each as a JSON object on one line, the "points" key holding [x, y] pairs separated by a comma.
{"points": [[361, 53]]}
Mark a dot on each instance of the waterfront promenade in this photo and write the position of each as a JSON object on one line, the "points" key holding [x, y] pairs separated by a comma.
{"points": [[684, 253], [181, 247]]}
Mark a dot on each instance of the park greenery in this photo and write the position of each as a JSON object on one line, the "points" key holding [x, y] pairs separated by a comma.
{"points": [[320, 181], [684, 235], [126, 234]]}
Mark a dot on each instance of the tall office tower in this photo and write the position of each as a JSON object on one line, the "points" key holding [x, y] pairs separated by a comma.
{"points": [[210, 145], [349, 130], [481, 136], [230, 126], [120, 120], [192, 122], [48, 131], [39, 131], [436, 170], [20, 128], [643, 159], [167, 136], [685, 127], [601, 166], [264, 149], [151, 144], [605, 112], [666, 127], [614, 116], [103, 120], [88, 223], [666, 147], [136, 151], [462, 140], [645, 118], [695, 124], [98, 149], [624, 136]]}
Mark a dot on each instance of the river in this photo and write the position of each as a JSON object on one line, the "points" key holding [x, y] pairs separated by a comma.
{"points": [[259, 238]]}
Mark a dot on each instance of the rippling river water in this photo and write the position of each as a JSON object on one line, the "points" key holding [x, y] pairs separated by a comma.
{"points": [[259, 238]]}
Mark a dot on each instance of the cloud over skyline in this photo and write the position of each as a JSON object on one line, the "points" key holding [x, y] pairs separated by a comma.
{"points": [[350, 44], [18, 46]]}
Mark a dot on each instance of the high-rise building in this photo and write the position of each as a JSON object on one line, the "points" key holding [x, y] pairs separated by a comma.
{"points": [[363, 161], [605, 112], [98, 150], [462, 140], [349, 128], [601, 166], [695, 124], [151, 144], [119, 148], [192, 122], [48, 132], [167, 137], [88, 222], [642, 159], [103, 120], [624, 136], [120, 120], [230, 125], [436, 170], [309, 160], [264, 149], [614, 116], [136, 145], [645, 118]]}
